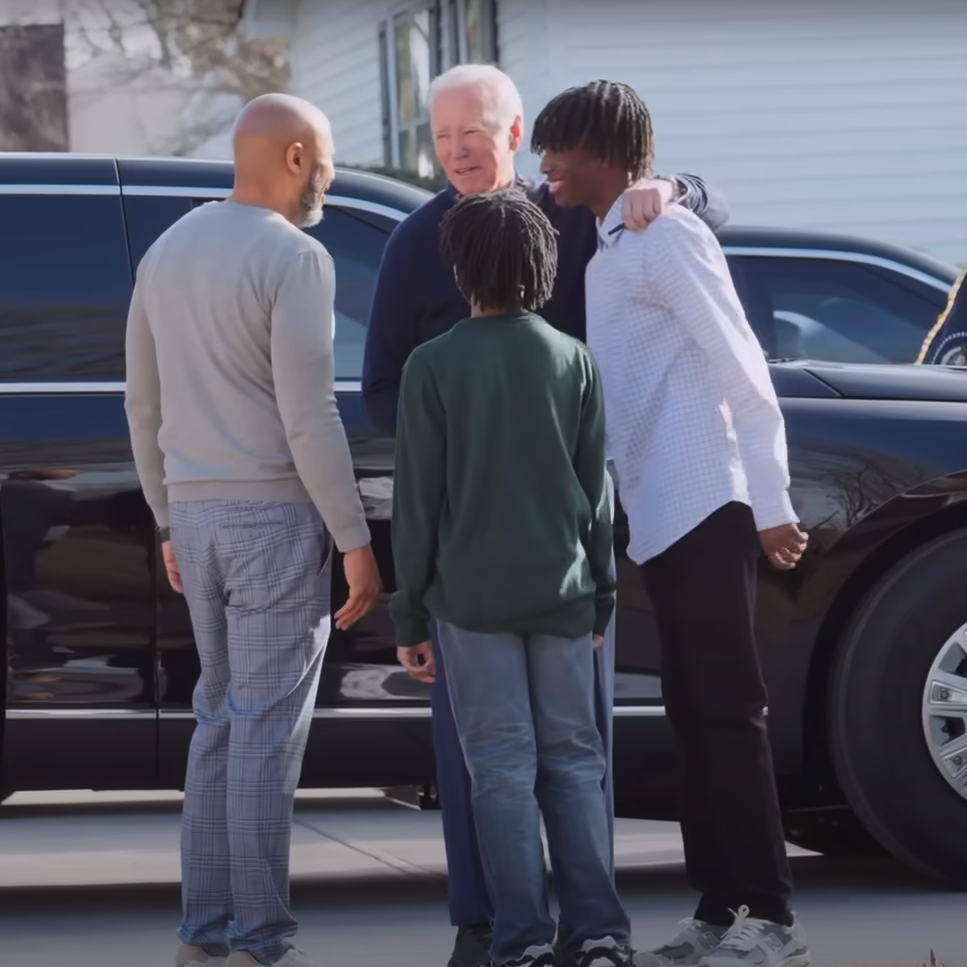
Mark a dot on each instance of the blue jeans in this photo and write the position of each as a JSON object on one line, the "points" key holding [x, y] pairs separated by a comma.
{"points": [[524, 710], [469, 899]]}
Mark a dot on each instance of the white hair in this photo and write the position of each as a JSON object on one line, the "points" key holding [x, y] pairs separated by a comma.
{"points": [[493, 83]]}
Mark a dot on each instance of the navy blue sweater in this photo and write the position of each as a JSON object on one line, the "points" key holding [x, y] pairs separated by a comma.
{"points": [[417, 298]]}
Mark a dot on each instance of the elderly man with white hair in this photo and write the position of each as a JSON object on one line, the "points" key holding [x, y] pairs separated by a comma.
{"points": [[477, 123]]}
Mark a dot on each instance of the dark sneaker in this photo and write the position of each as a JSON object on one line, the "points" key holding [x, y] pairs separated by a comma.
{"points": [[472, 946], [694, 940], [760, 943], [533, 957], [603, 953]]}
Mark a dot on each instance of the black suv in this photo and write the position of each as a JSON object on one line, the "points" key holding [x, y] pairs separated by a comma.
{"points": [[864, 646]]}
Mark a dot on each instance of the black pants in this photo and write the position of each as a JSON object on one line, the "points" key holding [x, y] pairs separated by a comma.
{"points": [[703, 592]]}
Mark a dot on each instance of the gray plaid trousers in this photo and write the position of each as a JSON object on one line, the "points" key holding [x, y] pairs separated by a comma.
{"points": [[257, 584]]}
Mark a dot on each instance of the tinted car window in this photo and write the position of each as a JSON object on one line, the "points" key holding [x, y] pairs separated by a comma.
{"points": [[65, 284], [148, 217], [824, 309], [356, 245]]}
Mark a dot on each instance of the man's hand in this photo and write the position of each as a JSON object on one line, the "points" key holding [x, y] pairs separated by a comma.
{"points": [[644, 201], [171, 567], [418, 662], [597, 641], [784, 545], [362, 578]]}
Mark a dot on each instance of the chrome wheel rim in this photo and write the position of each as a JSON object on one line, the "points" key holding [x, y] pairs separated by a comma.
{"points": [[945, 711]]}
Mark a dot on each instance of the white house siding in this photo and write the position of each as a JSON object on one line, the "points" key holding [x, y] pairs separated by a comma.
{"points": [[848, 115], [335, 64]]}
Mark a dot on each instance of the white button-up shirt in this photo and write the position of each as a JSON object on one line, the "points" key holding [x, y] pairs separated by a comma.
{"points": [[692, 417]]}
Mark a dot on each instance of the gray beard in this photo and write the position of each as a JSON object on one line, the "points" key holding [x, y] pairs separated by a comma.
{"points": [[311, 202]]}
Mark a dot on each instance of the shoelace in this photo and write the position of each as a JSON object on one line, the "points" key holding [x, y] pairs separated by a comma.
{"points": [[743, 934]]}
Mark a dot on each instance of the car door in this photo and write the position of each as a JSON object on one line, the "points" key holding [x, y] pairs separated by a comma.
{"points": [[844, 310], [76, 535]]}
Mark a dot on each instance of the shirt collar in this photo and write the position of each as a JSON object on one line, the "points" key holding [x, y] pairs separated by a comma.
{"points": [[611, 227], [520, 182]]}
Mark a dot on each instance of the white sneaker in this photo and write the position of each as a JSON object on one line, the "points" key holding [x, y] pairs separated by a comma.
{"points": [[191, 956], [291, 958], [760, 943], [693, 941]]}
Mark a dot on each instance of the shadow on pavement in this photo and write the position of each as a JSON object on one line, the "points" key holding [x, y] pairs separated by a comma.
{"points": [[812, 874]]}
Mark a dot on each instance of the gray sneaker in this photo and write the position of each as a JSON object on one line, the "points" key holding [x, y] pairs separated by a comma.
{"points": [[760, 943], [693, 941], [191, 956]]}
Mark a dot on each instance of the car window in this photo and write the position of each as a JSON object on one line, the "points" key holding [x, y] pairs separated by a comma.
{"points": [[149, 216], [65, 285], [831, 310], [356, 245]]}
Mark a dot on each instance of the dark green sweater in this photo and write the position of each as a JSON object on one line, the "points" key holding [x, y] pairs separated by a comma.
{"points": [[501, 520]]}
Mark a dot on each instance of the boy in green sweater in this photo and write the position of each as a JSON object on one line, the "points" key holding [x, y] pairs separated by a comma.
{"points": [[502, 535]]}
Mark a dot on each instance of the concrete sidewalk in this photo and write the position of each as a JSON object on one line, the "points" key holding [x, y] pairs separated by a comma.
{"points": [[91, 880], [111, 839]]}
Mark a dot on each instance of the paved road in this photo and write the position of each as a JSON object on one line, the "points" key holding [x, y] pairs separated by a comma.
{"points": [[91, 881]]}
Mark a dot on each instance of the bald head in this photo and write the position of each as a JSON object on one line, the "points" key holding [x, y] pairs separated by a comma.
{"points": [[283, 157]]}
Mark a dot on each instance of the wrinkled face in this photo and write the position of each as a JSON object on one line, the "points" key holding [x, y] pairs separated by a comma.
{"points": [[313, 166], [474, 149], [574, 176]]}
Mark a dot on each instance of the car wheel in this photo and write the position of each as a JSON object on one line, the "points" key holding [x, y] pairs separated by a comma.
{"points": [[838, 834], [898, 710]]}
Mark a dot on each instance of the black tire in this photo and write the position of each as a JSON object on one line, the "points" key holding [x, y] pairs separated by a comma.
{"points": [[836, 834], [877, 742]]}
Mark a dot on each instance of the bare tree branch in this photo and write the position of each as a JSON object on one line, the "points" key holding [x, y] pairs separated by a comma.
{"points": [[194, 41]]}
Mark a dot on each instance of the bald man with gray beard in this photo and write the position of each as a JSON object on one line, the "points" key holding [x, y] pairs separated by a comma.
{"points": [[244, 462]]}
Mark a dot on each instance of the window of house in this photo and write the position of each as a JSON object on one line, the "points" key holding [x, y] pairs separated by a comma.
{"points": [[412, 49], [415, 45], [472, 32]]}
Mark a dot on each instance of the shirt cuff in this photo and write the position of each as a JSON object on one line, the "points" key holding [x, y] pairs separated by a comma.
{"points": [[603, 613], [411, 632], [352, 538], [601, 621], [774, 512]]}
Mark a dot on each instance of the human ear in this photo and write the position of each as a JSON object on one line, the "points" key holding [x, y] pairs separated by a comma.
{"points": [[516, 133], [294, 156]]}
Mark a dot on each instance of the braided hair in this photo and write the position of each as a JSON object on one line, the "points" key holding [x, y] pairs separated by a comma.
{"points": [[606, 118], [502, 249]]}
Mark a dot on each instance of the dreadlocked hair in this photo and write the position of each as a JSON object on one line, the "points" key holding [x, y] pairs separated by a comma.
{"points": [[502, 249], [606, 118]]}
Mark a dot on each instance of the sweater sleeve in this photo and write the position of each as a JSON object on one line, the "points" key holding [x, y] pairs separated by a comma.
{"points": [[303, 370], [142, 404], [709, 204], [590, 465], [419, 486], [392, 334]]}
